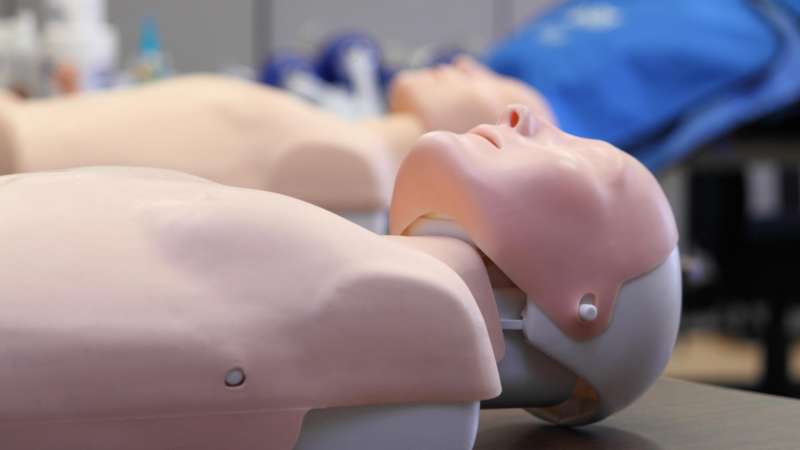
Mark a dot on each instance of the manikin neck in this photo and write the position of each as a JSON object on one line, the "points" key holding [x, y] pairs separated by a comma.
{"points": [[529, 377], [400, 131]]}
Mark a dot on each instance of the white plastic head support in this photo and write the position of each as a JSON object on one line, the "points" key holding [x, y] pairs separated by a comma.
{"points": [[619, 365]]}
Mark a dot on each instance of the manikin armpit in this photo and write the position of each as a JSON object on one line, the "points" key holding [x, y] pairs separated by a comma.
{"points": [[151, 309], [247, 135]]}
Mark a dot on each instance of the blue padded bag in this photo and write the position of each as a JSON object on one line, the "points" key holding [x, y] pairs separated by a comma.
{"points": [[793, 6], [625, 70], [759, 97]]}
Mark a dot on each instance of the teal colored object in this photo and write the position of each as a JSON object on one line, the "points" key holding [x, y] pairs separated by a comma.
{"points": [[152, 63], [149, 36]]}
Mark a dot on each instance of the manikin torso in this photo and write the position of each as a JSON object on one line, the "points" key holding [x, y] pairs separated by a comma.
{"points": [[226, 130], [130, 293]]}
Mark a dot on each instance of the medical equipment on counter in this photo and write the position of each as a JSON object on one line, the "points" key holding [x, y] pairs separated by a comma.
{"points": [[250, 320], [295, 74], [346, 78], [21, 58], [81, 46], [151, 63], [355, 61]]}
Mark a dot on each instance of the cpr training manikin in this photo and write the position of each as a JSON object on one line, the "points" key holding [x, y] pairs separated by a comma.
{"points": [[147, 308]]}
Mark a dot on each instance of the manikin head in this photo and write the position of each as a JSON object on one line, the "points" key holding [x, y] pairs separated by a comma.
{"points": [[576, 224], [457, 96]]}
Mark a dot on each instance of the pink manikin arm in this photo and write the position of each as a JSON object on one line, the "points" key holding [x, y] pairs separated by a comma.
{"points": [[226, 130], [561, 216], [128, 294], [465, 260]]}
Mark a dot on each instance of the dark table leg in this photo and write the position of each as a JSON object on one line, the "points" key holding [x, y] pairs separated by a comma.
{"points": [[775, 379]]}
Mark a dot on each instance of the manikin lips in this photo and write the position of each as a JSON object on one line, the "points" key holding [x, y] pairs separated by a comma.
{"points": [[489, 134]]}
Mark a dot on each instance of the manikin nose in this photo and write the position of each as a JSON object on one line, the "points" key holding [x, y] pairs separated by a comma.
{"points": [[520, 118]]}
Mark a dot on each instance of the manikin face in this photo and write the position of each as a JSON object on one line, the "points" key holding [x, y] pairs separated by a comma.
{"points": [[458, 96], [577, 225], [565, 218]]}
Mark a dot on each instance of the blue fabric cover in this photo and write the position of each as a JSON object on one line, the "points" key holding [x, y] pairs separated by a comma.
{"points": [[793, 6], [772, 91], [628, 71]]}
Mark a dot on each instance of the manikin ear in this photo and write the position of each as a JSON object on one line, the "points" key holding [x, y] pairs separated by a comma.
{"points": [[519, 118]]}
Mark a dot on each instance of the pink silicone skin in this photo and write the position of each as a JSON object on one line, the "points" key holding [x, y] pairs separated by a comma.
{"points": [[248, 135], [465, 260], [456, 97], [226, 130], [128, 294], [561, 216]]}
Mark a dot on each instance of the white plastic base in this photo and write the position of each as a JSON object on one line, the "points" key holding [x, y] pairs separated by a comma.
{"points": [[628, 357], [528, 376], [375, 221], [391, 427]]}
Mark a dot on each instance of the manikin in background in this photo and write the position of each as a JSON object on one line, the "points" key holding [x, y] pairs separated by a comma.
{"points": [[247, 135]]}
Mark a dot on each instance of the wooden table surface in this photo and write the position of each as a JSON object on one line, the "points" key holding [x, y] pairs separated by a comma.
{"points": [[672, 415]]}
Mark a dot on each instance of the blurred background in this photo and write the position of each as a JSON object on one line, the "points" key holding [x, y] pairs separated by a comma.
{"points": [[704, 93]]}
